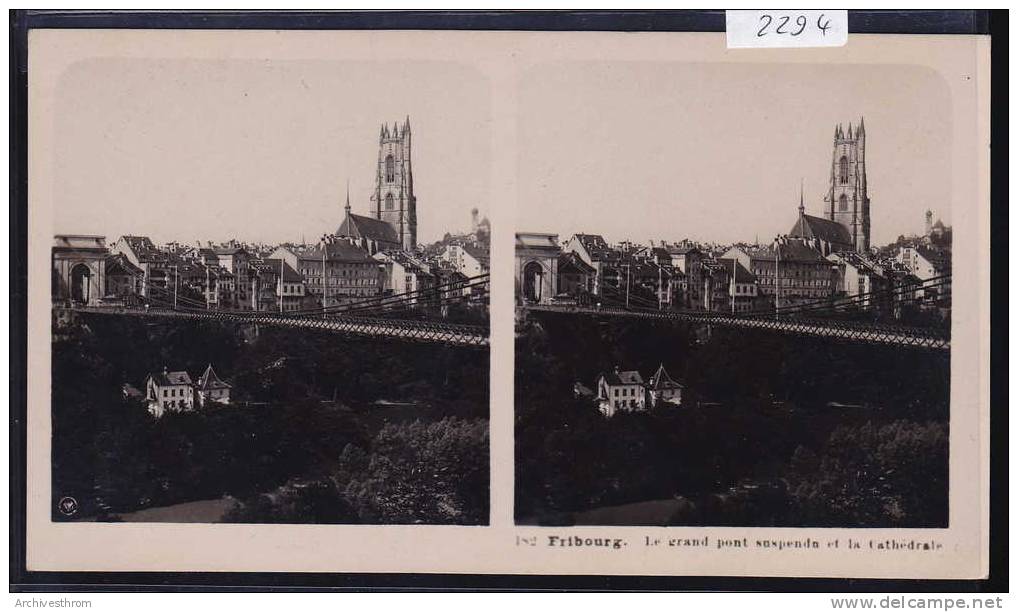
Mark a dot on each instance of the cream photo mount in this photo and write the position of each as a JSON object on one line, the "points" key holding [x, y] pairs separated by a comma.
{"points": [[503, 60]]}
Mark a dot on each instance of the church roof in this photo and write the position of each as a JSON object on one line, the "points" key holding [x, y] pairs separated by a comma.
{"points": [[661, 380], [789, 251], [359, 226], [338, 250], [808, 226], [209, 380]]}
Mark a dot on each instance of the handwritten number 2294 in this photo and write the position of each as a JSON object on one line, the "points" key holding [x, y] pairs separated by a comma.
{"points": [[800, 22]]}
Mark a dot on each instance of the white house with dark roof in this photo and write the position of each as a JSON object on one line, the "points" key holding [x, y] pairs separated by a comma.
{"points": [[173, 391], [620, 390]]}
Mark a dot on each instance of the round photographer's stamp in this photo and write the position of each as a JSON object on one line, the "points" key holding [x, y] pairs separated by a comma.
{"points": [[68, 506]]}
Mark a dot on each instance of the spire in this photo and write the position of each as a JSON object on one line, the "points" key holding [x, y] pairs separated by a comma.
{"points": [[850, 130], [347, 207], [406, 124], [862, 128], [802, 202]]}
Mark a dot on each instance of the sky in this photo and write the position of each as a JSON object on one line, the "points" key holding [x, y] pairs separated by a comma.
{"points": [[261, 151], [716, 152]]}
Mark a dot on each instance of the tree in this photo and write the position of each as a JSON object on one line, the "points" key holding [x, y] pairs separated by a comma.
{"points": [[432, 473]]}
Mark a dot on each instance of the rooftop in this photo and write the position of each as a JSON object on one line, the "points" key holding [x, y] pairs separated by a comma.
{"points": [[165, 378], [359, 226], [623, 377], [809, 227]]}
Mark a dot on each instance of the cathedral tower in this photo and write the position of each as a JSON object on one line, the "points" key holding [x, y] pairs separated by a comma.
{"points": [[847, 201], [393, 200]]}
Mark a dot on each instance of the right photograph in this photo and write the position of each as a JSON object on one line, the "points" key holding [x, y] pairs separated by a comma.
{"points": [[733, 295]]}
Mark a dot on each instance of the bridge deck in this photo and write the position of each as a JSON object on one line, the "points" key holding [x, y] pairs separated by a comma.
{"points": [[835, 330], [411, 330]]}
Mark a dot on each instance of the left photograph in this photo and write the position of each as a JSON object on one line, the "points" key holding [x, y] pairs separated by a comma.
{"points": [[270, 288]]}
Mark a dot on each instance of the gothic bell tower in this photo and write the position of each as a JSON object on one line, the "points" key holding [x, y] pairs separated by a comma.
{"points": [[393, 200], [847, 201]]}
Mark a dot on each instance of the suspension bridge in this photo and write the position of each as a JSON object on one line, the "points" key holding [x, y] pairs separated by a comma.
{"points": [[819, 318], [410, 316]]}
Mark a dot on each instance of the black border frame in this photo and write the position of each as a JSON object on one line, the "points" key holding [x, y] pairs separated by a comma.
{"points": [[994, 23]]}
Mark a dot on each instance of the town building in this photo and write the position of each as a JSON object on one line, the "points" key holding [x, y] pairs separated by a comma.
{"points": [[450, 283], [575, 276], [688, 260], [123, 280], [236, 260], [788, 273], [406, 276], [847, 200], [932, 268], [470, 259], [860, 280], [156, 265], [620, 390], [643, 283], [740, 284], [169, 391], [289, 285], [924, 262], [335, 272], [593, 249], [220, 287]]}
